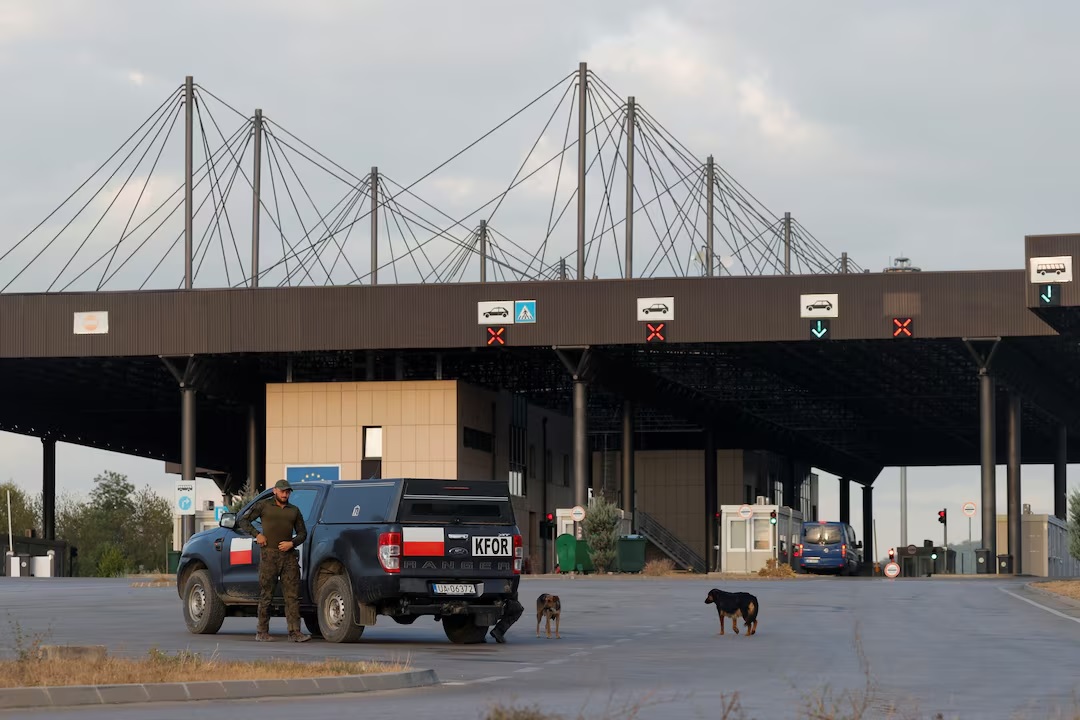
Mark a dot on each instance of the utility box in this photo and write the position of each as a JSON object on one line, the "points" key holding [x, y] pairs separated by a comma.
{"points": [[983, 561], [43, 565], [18, 565]]}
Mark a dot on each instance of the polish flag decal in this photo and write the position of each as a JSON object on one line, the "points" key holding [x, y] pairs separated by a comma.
{"points": [[422, 541], [240, 551]]}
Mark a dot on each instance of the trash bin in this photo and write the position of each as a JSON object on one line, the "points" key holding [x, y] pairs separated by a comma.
{"points": [[565, 552], [584, 559], [982, 561], [174, 562], [630, 554], [1005, 564]]}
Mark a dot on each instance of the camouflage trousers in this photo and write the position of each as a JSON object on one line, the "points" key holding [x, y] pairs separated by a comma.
{"points": [[274, 564]]}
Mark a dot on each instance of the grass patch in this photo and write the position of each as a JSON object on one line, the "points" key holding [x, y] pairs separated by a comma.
{"points": [[774, 569], [1065, 588], [658, 568], [35, 665]]}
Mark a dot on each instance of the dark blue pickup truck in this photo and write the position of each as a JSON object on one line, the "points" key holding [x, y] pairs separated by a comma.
{"points": [[403, 548]]}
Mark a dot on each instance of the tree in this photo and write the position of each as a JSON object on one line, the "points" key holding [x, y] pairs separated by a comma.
{"points": [[153, 522], [25, 511], [601, 526], [1074, 524]]}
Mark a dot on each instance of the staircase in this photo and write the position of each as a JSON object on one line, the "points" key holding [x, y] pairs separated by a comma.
{"points": [[672, 546]]}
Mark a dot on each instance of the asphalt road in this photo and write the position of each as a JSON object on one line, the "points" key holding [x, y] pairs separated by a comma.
{"points": [[964, 648]]}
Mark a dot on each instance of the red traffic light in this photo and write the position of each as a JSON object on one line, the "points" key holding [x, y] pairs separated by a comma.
{"points": [[550, 517], [892, 553], [941, 516]]}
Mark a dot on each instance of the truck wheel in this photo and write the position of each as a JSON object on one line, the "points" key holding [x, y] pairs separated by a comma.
{"points": [[337, 611], [461, 630], [203, 610]]}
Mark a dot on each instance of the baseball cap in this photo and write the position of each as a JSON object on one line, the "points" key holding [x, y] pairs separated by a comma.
{"points": [[283, 485]]}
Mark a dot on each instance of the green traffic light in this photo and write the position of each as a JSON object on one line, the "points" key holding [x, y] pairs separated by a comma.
{"points": [[933, 556]]}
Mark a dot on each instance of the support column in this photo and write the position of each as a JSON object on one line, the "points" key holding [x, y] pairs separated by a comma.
{"points": [[988, 461], [187, 451], [787, 243], [903, 507], [581, 448], [189, 128], [868, 525], [628, 489], [48, 488], [1061, 460], [845, 500], [1012, 481], [631, 121], [710, 181], [710, 499], [843, 262], [583, 84], [373, 186], [483, 250], [256, 185], [253, 485]]}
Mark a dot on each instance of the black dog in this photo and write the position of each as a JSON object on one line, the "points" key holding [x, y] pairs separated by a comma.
{"points": [[548, 606], [735, 605]]}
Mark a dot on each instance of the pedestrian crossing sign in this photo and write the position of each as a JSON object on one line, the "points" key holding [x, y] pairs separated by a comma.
{"points": [[524, 311]]}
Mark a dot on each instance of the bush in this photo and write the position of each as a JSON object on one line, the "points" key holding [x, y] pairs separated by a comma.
{"points": [[664, 566], [112, 562], [774, 569], [601, 526]]}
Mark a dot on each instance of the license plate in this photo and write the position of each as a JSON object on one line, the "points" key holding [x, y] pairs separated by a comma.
{"points": [[454, 589], [811, 560], [491, 547]]}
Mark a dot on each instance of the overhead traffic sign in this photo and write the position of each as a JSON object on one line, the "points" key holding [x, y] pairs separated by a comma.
{"points": [[1055, 269], [902, 328], [1049, 296], [969, 509], [654, 332], [496, 336], [524, 311], [819, 306], [495, 312], [819, 329], [656, 308]]}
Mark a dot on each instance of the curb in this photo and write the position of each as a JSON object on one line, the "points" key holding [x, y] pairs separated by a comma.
{"points": [[72, 695], [1034, 587]]}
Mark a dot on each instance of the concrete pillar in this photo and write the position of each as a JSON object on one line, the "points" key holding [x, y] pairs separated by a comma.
{"points": [[187, 453], [48, 488], [1012, 482], [710, 500], [845, 500], [868, 524], [581, 449], [988, 462], [253, 484], [1061, 460], [627, 457]]}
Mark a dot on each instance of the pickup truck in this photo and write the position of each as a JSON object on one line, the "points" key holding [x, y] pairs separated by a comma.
{"points": [[402, 548]]}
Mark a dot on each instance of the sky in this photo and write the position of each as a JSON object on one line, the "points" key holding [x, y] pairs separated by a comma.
{"points": [[942, 132]]}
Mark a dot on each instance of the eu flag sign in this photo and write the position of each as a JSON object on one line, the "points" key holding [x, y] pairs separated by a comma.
{"points": [[301, 473]]}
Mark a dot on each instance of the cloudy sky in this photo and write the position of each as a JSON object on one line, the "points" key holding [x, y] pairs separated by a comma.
{"points": [[943, 132]]}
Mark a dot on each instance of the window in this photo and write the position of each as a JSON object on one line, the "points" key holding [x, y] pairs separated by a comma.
{"points": [[372, 443], [359, 503], [736, 534], [518, 417], [477, 439], [762, 534], [304, 499], [822, 535]]}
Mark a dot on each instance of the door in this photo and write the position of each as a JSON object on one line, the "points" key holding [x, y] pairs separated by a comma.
{"points": [[240, 553]]}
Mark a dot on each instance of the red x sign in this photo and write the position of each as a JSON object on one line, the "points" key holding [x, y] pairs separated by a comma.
{"points": [[496, 336], [655, 333], [901, 327]]}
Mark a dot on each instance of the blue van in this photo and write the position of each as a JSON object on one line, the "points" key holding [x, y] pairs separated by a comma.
{"points": [[828, 547]]}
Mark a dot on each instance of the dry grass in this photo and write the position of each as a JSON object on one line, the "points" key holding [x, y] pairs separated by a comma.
{"points": [[160, 667], [774, 569], [1065, 588], [658, 568]]}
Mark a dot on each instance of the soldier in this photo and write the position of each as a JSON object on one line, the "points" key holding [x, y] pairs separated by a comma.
{"points": [[279, 557], [512, 611]]}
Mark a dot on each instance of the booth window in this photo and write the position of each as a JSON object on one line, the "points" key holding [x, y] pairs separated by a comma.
{"points": [[736, 534]]}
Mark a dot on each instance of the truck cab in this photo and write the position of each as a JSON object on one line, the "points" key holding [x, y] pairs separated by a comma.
{"points": [[401, 548]]}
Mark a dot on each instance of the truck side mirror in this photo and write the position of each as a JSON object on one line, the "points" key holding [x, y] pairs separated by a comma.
{"points": [[228, 520]]}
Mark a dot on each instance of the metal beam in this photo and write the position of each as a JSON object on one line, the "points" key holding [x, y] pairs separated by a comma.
{"points": [[988, 461], [256, 186], [868, 524], [845, 500], [1061, 460], [189, 129], [48, 488], [710, 499], [631, 122], [628, 490], [1013, 484], [583, 84], [373, 185]]}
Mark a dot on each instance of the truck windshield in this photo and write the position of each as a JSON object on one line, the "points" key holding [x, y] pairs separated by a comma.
{"points": [[822, 535], [454, 502]]}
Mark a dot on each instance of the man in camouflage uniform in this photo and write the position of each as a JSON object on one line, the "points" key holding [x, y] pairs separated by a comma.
{"points": [[512, 611], [279, 557]]}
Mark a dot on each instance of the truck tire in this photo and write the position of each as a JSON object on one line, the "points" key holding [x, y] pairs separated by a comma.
{"points": [[337, 611], [203, 609], [460, 630]]}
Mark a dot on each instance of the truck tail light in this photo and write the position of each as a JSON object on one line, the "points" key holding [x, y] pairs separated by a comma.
{"points": [[519, 554], [390, 552], [843, 550], [798, 550]]}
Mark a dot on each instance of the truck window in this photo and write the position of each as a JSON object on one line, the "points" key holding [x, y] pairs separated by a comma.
{"points": [[362, 502], [452, 502], [822, 535]]}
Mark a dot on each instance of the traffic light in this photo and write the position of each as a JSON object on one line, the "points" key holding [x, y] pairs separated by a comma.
{"points": [[547, 525], [772, 517], [941, 517], [933, 556], [892, 554]]}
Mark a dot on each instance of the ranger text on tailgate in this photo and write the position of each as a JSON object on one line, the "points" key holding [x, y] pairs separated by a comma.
{"points": [[401, 548]]}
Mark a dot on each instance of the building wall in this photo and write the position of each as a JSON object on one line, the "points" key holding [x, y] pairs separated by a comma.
{"points": [[432, 428], [1044, 545]]}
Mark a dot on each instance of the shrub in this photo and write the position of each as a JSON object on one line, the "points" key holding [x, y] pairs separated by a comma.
{"points": [[601, 526], [664, 566]]}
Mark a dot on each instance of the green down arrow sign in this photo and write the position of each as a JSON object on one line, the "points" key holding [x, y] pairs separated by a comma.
{"points": [[1048, 296], [819, 329]]}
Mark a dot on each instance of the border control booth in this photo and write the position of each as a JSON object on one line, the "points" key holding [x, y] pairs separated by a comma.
{"points": [[749, 537]]}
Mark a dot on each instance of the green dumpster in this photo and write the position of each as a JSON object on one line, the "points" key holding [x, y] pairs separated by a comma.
{"points": [[584, 558], [565, 552], [630, 554], [174, 561]]}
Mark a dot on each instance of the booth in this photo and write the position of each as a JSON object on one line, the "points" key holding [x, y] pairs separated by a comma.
{"points": [[749, 537]]}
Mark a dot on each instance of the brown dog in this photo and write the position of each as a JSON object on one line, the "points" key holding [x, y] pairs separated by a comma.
{"points": [[548, 606]]}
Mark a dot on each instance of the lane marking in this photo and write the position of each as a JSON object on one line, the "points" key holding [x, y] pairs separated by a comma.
{"points": [[603, 647], [622, 640], [1039, 605], [581, 652], [491, 679], [556, 661], [528, 669]]}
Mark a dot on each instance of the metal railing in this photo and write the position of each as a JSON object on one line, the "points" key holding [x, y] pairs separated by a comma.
{"points": [[672, 546]]}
